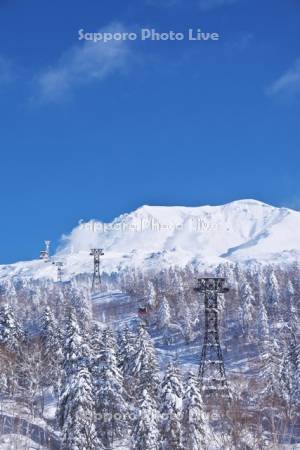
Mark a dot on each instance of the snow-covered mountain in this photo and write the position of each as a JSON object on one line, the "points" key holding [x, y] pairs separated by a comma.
{"points": [[157, 236]]}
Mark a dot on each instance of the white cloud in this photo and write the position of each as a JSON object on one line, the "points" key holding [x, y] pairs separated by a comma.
{"points": [[6, 70], [83, 64], [288, 84], [241, 44]]}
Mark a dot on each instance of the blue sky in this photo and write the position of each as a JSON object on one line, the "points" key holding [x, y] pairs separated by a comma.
{"points": [[92, 130]]}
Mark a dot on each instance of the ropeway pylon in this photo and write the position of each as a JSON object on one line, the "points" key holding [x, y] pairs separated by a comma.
{"points": [[59, 267], [97, 253], [212, 369], [45, 254]]}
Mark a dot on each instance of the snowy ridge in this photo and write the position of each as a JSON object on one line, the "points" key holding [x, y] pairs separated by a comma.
{"points": [[154, 237]]}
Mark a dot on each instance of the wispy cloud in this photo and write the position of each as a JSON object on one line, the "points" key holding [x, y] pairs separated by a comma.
{"points": [[206, 5], [6, 70], [85, 63], [164, 3], [288, 84], [241, 43]]}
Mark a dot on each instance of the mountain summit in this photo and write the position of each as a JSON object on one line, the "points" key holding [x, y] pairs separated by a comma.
{"points": [[158, 236]]}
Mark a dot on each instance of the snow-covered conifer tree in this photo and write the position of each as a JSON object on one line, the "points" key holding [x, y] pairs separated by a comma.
{"points": [[164, 315], [96, 344], [262, 324], [11, 333], [271, 361], [145, 368], [171, 409], [247, 300], [81, 306], [76, 351], [188, 324], [194, 420], [76, 405], [292, 314], [290, 374], [145, 435], [272, 292], [126, 354], [181, 297], [111, 398], [3, 384], [51, 347], [151, 295], [73, 360], [78, 414], [290, 290]]}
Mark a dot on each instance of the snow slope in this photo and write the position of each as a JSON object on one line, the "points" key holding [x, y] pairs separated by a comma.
{"points": [[157, 236]]}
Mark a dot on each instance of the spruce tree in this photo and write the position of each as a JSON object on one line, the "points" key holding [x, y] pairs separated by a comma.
{"points": [[188, 323], [96, 345], [263, 331], [272, 293], [171, 409], [247, 299], [145, 368], [51, 348], [11, 333], [3, 385], [271, 361], [126, 355], [291, 305], [75, 348], [111, 398], [290, 290], [290, 375], [78, 414], [151, 295], [194, 420], [76, 406], [145, 435], [164, 315]]}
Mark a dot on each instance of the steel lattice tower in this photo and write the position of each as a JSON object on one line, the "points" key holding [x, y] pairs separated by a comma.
{"points": [[59, 266], [97, 253], [212, 369]]}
